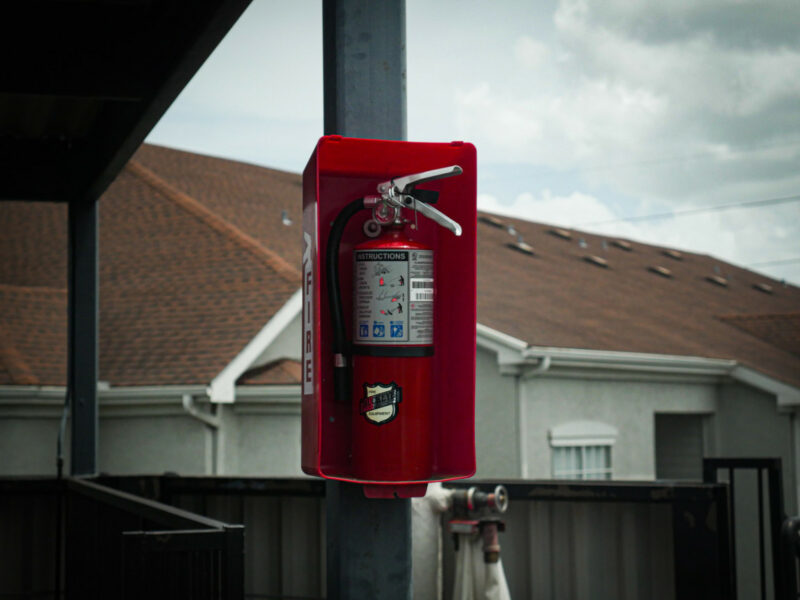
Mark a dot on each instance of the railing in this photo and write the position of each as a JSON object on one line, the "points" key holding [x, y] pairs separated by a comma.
{"points": [[91, 541], [284, 519], [790, 553], [741, 500]]}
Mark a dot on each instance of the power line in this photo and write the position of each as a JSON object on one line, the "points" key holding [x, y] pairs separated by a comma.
{"points": [[695, 211], [684, 158], [784, 261]]}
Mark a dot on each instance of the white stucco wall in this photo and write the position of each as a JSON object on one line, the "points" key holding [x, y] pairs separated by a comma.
{"points": [[149, 432], [153, 445], [28, 446], [496, 420], [259, 435], [627, 405], [515, 414], [29, 423], [263, 434]]}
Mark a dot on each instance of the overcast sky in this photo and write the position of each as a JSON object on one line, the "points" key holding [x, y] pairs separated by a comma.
{"points": [[582, 111]]}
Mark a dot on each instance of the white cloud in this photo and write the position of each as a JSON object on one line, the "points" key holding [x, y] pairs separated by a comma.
{"points": [[549, 208], [658, 103], [672, 119], [530, 53], [694, 72]]}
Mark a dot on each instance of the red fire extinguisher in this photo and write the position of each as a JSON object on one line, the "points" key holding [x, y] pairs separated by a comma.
{"points": [[386, 371]]}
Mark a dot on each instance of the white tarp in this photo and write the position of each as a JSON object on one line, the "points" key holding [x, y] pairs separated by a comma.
{"points": [[474, 578]]}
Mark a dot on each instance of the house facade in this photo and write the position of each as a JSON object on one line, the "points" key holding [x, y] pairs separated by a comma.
{"points": [[595, 360]]}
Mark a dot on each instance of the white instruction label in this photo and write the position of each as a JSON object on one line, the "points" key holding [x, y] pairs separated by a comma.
{"points": [[393, 297]]}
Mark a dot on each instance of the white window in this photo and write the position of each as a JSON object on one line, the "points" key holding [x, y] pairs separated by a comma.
{"points": [[582, 450]]}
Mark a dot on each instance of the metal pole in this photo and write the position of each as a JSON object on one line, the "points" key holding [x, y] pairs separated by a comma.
{"points": [[368, 541], [364, 68], [83, 333]]}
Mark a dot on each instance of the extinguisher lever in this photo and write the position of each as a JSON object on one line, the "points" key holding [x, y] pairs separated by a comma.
{"points": [[434, 215], [398, 191], [403, 185]]}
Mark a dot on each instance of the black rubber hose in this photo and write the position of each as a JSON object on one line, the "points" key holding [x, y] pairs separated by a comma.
{"points": [[341, 372]]}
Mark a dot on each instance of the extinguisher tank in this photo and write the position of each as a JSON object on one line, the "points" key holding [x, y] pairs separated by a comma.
{"points": [[392, 358]]}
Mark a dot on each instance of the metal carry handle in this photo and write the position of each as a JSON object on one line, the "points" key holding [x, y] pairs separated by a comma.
{"points": [[403, 185], [396, 192]]}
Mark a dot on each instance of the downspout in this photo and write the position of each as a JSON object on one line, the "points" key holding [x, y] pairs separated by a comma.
{"points": [[211, 421], [542, 366]]}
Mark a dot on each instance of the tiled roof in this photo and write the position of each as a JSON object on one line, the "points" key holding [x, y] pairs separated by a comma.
{"points": [[251, 199], [182, 290], [557, 298], [195, 258], [283, 371], [782, 330], [33, 332]]}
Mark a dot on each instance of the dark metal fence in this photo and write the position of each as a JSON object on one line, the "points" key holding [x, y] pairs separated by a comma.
{"points": [[76, 539], [790, 554], [616, 540], [760, 544], [284, 520], [564, 539]]}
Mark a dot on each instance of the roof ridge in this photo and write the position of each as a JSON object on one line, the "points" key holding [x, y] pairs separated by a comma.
{"points": [[32, 288], [19, 370], [213, 220], [219, 157]]}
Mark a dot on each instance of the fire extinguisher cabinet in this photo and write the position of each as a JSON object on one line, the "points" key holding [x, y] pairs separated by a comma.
{"points": [[408, 415]]}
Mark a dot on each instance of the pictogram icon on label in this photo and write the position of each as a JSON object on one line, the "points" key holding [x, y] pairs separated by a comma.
{"points": [[396, 329], [363, 330], [378, 329]]}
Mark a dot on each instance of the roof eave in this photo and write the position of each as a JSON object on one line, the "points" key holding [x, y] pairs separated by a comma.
{"points": [[223, 387], [515, 357]]}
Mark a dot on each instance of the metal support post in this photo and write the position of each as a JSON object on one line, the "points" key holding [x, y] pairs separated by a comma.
{"points": [[368, 544], [368, 541], [83, 334], [364, 68]]}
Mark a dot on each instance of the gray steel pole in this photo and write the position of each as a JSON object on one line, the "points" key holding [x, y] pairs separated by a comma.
{"points": [[368, 541], [83, 334], [364, 64]]}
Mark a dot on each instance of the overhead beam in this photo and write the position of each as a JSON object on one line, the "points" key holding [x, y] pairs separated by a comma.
{"points": [[204, 23], [82, 49], [83, 83]]}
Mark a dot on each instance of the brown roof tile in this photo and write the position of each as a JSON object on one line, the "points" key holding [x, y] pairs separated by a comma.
{"points": [[782, 330], [557, 299], [181, 289], [250, 198], [284, 371], [195, 258], [33, 333]]}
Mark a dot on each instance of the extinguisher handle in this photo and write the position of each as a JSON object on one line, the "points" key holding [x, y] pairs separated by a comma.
{"points": [[398, 191], [434, 215], [403, 185]]}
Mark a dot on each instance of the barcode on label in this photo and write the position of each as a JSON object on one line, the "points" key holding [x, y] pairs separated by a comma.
{"points": [[421, 289]]}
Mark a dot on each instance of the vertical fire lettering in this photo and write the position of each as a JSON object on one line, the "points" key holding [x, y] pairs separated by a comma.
{"points": [[308, 315]]}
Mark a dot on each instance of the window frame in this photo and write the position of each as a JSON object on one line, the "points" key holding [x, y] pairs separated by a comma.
{"points": [[584, 437]]}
